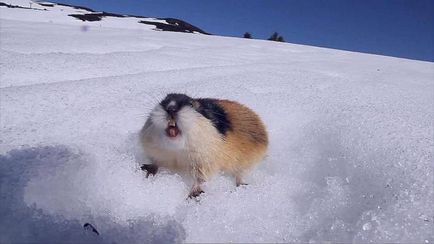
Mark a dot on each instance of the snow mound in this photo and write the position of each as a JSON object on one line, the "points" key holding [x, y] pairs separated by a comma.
{"points": [[29, 173]]}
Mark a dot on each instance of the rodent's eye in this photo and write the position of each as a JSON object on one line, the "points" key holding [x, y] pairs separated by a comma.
{"points": [[194, 104]]}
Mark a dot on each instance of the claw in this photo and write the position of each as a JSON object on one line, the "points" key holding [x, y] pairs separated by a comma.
{"points": [[239, 181], [242, 184]]}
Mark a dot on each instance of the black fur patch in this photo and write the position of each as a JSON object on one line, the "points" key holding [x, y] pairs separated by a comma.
{"points": [[207, 107], [180, 100], [216, 114]]}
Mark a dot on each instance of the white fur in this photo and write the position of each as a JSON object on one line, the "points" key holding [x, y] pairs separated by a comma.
{"points": [[159, 122], [197, 143]]}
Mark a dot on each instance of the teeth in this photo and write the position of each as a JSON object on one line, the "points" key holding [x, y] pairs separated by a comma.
{"points": [[172, 123]]}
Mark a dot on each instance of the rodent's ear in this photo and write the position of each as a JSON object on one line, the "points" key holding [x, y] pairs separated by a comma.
{"points": [[195, 104]]}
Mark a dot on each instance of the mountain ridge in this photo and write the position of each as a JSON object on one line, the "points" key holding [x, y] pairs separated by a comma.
{"points": [[86, 14]]}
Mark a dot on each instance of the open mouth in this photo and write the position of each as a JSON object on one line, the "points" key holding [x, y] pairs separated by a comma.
{"points": [[172, 130]]}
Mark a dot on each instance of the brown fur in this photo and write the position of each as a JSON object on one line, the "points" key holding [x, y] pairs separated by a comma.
{"points": [[246, 142]]}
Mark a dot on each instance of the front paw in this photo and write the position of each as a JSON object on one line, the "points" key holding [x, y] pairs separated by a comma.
{"points": [[241, 184], [195, 193], [151, 169]]}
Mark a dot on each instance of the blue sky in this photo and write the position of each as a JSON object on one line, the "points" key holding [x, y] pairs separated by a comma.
{"points": [[401, 28]]}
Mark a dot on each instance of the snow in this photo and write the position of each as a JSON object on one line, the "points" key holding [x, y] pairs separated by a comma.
{"points": [[59, 14], [350, 159]]}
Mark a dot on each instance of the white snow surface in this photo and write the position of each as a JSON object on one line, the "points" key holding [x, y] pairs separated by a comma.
{"points": [[351, 138], [59, 14]]}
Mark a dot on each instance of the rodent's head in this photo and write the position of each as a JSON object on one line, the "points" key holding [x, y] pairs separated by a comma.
{"points": [[173, 114]]}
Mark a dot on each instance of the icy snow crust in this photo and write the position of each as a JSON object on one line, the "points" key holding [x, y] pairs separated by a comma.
{"points": [[350, 159]]}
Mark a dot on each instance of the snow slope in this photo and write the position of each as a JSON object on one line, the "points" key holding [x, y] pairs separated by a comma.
{"points": [[57, 13], [350, 160]]}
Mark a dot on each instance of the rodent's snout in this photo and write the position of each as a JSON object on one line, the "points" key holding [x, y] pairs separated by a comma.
{"points": [[171, 111]]}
